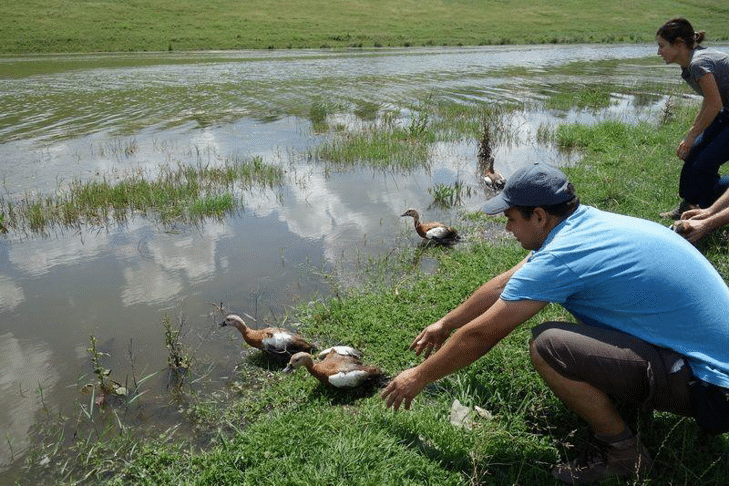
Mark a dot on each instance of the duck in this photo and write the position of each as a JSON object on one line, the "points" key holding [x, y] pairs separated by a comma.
{"points": [[277, 342], [434, 231], [336, 370], [491, 178]]}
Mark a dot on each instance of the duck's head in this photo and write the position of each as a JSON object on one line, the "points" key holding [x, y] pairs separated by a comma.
{"points": [[234, 321], [299, 359], [410, 212]]}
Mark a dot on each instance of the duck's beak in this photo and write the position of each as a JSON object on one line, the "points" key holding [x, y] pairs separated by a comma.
{"points": [[222, 324], [288, 369]]}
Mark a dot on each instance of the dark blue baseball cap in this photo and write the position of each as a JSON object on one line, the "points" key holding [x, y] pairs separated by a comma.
{"points": [[536, 184]]}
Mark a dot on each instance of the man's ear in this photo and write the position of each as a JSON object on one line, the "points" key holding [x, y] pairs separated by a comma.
{"points": [[540, 214]]}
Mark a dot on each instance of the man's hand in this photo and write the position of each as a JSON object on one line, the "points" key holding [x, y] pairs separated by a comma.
{"points": [[692, 229], [693, 225], [430, 339], [403, 388]]}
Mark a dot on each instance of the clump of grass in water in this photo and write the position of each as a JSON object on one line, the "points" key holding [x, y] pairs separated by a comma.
{"points": [[446, 196], [188, 194], [178, 360], [3, 228], [318, 112], [593, 97], [367, 111], [383, 146]]}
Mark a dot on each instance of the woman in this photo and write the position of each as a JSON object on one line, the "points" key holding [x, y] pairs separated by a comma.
{"points": [[706, 145]]}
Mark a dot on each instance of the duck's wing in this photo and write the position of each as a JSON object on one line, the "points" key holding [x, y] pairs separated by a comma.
{"points": [[348, 371], [442, 234], [349, 379], [283, 343], [498, 181], [341, 350]]}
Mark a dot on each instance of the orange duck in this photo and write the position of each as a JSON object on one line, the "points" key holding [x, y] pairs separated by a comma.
{"points": [[434, 231], [336, 369], [275, 341]]}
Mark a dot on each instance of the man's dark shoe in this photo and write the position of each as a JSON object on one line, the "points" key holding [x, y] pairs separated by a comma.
{"points": [[603, 461]]}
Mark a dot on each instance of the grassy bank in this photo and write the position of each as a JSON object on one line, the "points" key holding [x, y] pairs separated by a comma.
{"points": [[36, 26], [274, 429]]}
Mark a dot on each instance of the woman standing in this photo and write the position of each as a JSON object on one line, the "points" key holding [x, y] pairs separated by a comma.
{"points": [[706, 145]]}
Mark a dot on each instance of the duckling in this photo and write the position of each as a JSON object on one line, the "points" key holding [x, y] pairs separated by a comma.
{"points": [[435, 231], [336, 370], [493, 179], [277, 342]]}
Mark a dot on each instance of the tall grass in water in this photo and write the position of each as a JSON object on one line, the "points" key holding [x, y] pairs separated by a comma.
{"points": [[185, 194], [445, 196], [383, 145]]}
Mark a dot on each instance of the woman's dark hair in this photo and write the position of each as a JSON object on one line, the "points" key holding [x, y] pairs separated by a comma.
{"points": [[680, 28], [560, 210]]}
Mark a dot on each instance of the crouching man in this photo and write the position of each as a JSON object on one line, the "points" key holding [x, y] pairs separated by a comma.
{"points": [[652, 320]]}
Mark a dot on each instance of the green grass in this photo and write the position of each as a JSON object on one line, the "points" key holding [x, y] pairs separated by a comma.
{"points": [[269, 428], [37, 26], [446, 196], [581, 97], [185, 194], [382, 145]]}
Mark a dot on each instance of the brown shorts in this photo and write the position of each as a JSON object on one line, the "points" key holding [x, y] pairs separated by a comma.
{"points": [[622, 366]]}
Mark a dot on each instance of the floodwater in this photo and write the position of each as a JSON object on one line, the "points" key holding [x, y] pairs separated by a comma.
{"points": [[67, 117]]}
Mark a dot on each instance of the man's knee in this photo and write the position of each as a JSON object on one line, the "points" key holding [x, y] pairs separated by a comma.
{"points": [[540, 343]]}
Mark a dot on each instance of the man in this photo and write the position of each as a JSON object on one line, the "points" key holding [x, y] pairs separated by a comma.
{"points": [[652, 320]]}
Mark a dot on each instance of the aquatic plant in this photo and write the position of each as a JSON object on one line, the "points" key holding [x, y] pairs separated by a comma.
{"points": [[104, 387], [447, 196], [178, 358], [183, 194], [591, 97]]}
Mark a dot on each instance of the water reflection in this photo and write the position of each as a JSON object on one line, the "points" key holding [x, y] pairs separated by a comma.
{"points": [[26, 367], [90, 116]]}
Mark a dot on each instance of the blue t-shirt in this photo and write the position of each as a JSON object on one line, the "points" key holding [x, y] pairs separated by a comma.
{"points": [[635, 276]]}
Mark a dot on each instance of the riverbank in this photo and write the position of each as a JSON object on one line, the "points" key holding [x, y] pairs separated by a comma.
{"points": [[269, 428], [186, 25]]}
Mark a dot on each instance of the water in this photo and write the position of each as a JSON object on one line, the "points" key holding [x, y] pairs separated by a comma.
{"points": [[103, 115]]}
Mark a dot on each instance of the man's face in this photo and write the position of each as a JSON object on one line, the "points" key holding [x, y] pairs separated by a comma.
{"points": [[528, 232]]}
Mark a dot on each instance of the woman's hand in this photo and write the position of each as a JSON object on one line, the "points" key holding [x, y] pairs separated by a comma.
{"points": [[431, 338], [697, 213], [684, 148], [403, 389]]}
